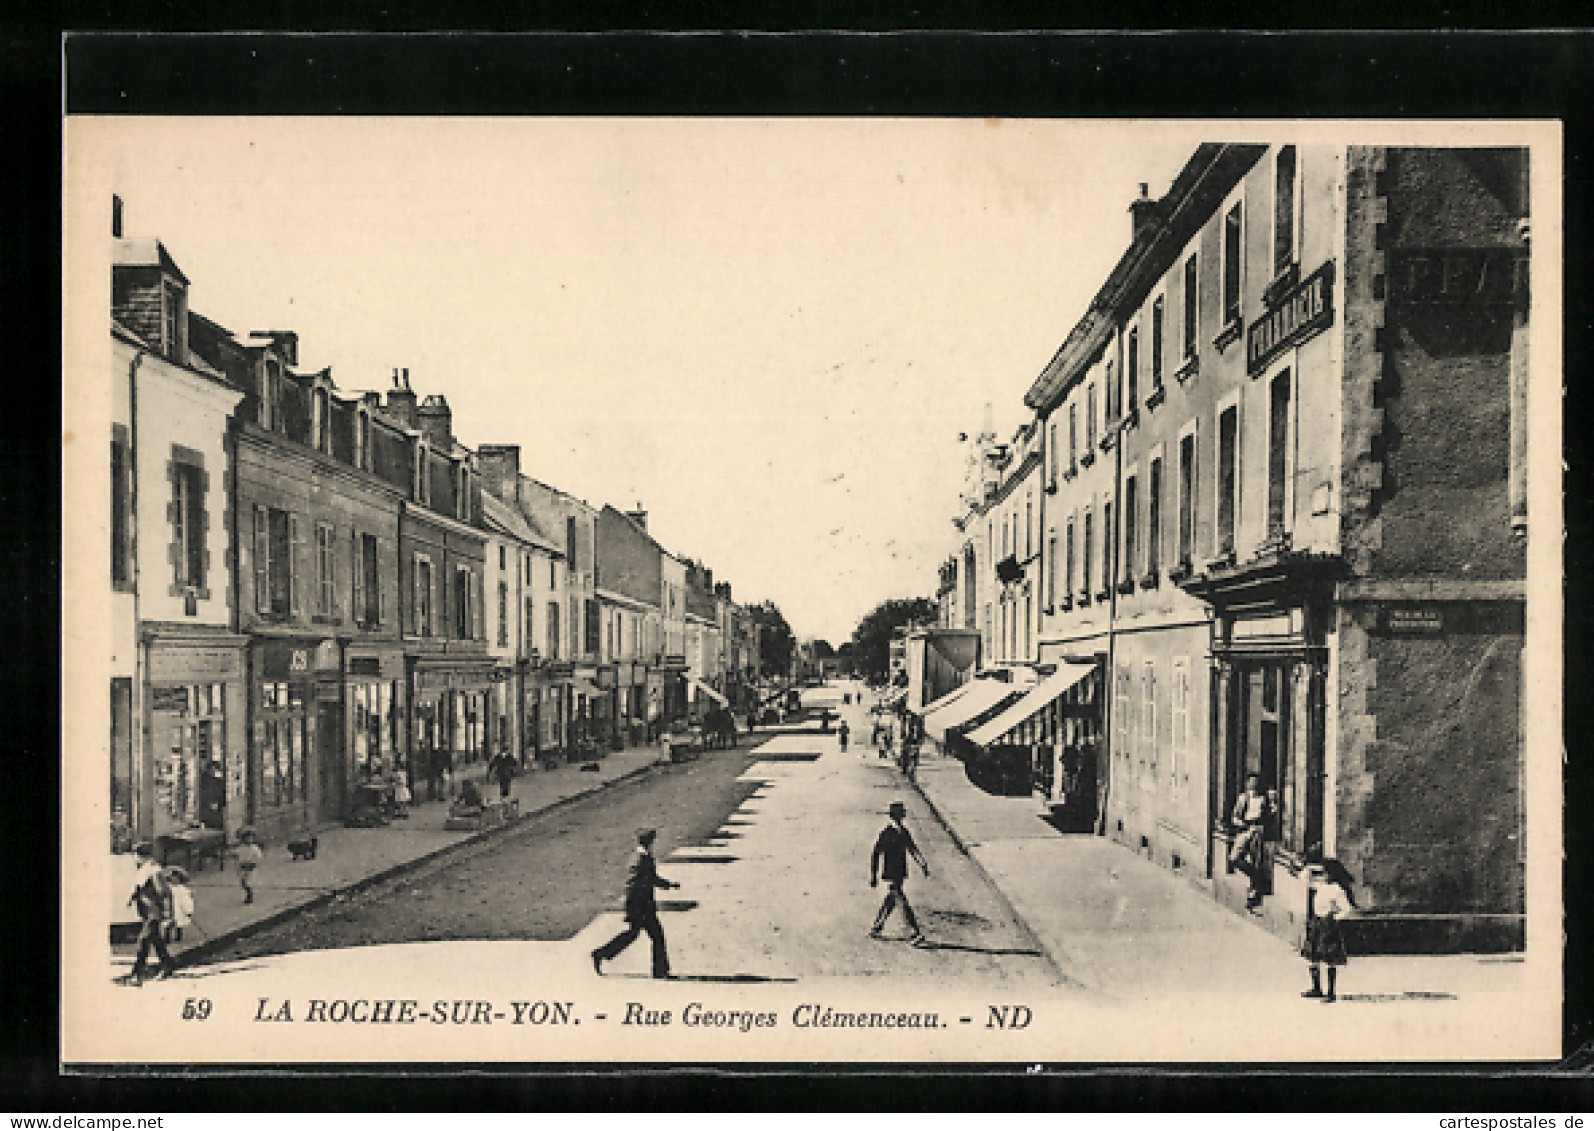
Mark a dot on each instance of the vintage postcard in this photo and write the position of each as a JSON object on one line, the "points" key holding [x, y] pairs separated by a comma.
{"points": [[686, 590]]}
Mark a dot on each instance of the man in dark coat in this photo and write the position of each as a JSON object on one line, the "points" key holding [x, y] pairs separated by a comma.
{"points": [[892, 848], [152, 895], [641, 913]]}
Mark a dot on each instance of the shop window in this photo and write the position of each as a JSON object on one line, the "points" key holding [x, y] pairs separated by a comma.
{"points": [[1228, 477], [374, 720], [325, 571], [1192, 306], [122, 821], [282, 723], [121, 509], [1232, 251], [368, 609], [189, 521], [1278, 455], [188, 729], [1284, 209]]}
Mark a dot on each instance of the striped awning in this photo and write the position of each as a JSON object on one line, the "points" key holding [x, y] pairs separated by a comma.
{"points": [[1037, 699], [710, 692], [982, 695], [946, 700]]}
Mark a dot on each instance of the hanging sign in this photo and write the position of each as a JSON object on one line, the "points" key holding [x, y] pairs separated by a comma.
{"points": [[1300, 313]]}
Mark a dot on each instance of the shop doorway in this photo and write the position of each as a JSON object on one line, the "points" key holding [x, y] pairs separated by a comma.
{"points": [[1276, 732]]}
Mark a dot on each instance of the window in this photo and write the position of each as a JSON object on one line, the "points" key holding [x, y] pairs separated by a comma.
{"points": [[529, 633], [325, 600], [553, 574], [423, 602], [1278, 435], [1051, 572], [188, 523], [320, 425], [1132, 371], [1231, 265], [464, 603], [275, 550], [554, 650], [1131, 514], [421, 488], [1123, 724], [1179, 717], [1187, 497], [1191, 307], [462, 499], [503, 558], [1052, 454], [1228, 477], [1073, 435], [174, 322], [1089, 555], [367, 581], [503, 614], [1156, 344], [1090, 416], [1284, 209], [570, 542], [1107, 532], [1029, 524], [362, 440], [1154, 518], [121, 509], [1068, 564], [593, 633]]}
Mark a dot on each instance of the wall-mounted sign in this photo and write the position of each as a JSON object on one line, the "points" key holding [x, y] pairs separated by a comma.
{"points": [[1301, 312], [1413, 619]]}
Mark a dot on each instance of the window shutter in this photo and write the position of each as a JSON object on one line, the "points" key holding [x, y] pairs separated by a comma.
{"points": [[295, 562], [381, 590], [262, 562], [415, 592], [357, 570], [433, 577]]}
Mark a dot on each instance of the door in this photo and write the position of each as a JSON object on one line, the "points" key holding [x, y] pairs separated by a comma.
{"points": [[331, 759]]}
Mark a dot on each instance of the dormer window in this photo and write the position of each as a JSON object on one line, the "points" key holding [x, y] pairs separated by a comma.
{"points": [[174, 321], [362, 438], [421, 487], [320, 420]]}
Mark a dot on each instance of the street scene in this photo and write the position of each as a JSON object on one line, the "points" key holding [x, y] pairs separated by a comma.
{"points": [[1165, 658]]}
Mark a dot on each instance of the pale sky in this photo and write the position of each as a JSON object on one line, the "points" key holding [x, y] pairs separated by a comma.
{"points": [[768, 332]]}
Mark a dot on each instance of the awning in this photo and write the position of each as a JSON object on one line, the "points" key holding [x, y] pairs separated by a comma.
{"points": [[946, 700], [710, 692], [1038, 697], [585, 687], [978, 697]]}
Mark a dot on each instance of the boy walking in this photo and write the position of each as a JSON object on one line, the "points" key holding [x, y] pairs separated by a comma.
{"points": [[249, 856], [641, 912], [890, 859]]}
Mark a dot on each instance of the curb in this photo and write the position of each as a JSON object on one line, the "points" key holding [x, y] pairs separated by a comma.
{"points": [[1007, 904], [211, 945]]}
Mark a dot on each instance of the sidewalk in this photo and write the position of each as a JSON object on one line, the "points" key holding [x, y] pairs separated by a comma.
{"points": [[347, 857], [1120, 925]]}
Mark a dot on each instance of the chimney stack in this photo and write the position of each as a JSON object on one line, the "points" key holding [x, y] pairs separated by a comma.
{"points": [[1141, 212], [401, 399], [639, 516], [437, 422], [500, 468], [116, 216]]}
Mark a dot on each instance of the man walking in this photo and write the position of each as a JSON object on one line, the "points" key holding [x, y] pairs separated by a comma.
{"points": [[892, 848], [641, 913]]}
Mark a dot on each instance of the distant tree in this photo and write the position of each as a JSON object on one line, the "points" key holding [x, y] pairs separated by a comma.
{"points": [[823, 650], [776, 641], [871, 640]]}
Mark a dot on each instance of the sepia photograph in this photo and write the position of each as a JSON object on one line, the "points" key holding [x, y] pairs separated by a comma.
{"points": [[788, 590]]}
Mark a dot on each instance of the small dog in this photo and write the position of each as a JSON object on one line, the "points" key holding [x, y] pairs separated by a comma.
{"points": [[303, 849]]}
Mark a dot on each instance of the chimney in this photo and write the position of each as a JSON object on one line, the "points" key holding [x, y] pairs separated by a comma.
{"points": [[1142, 212], [708, 579], [401, 399], [639, 516], [116, 216], [437, 422], [500, 468]]}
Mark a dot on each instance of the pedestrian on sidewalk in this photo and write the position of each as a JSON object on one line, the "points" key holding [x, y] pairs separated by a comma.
{"points": [[890, 859], [503, 768], [1252, 811], [1328, 902], [641, 913], [249, 856], [152, 895], [182, 903]]}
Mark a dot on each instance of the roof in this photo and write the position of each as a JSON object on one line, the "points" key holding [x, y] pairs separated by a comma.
{"points": [[145, 251], [509, 520]]}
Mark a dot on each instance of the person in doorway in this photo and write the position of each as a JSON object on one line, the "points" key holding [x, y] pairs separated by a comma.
{"points": [[842, 732], [1252, 811], [502, 767], [641, 912], [249, 856], [1329, 902], [890, 860], [152, 895]]}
